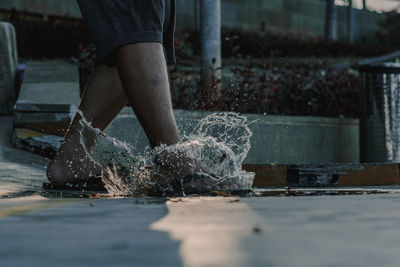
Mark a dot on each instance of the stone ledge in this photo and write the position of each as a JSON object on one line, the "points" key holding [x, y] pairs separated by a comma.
{"points": [[275, 139], [267, 175], [51, 71], [324, 175], [50, 123], [36, 142], [48, 97], [49, 86]]}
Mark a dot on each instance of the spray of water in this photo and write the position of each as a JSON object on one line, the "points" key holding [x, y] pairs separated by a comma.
{"points": [[214, 150]]}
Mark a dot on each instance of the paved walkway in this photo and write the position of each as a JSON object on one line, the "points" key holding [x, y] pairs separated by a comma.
{"points": [[274, 231], [306, 231], [19, 170]]}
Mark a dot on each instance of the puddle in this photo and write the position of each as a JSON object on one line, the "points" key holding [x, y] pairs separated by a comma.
{"points": [[219, 143]]}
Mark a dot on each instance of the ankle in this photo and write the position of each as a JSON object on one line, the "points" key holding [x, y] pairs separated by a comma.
{"points": [[175, 164]]}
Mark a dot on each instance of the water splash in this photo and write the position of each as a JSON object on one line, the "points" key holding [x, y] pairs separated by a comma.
{"points": [[216, 149]]}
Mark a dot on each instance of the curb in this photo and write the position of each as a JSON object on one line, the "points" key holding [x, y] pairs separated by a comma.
{"points": [[324, 175], [267, 175], [36, 142]]}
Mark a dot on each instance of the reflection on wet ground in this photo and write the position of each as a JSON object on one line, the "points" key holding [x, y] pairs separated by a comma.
{"points": [[19, 170], [203, 231], [112, 232], [322, 227]]}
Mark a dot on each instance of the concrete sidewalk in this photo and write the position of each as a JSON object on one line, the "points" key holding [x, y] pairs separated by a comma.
{"points": [[307, 231], [20, 171], [195, 231]]}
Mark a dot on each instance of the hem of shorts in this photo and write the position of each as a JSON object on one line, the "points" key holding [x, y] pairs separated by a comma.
{"points": [[108, 49]]}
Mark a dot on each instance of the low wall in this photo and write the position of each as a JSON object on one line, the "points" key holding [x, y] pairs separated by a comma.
{"points": [[276, 139]]}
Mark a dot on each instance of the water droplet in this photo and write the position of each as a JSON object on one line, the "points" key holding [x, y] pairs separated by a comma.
{"points": [[218, 136]]}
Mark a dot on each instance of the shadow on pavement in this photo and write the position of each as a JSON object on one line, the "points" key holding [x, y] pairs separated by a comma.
{"points": [[110, 232]]}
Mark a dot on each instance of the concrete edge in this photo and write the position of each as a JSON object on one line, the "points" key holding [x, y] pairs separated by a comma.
{"points": [[324, 175], [36, 142], [266, 175]]}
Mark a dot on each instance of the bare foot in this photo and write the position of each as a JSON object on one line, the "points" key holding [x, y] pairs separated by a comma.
{"points": [[174, 164], [71, 164], [171, 166]]}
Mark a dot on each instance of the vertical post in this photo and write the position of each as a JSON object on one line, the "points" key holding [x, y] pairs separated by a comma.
{"points": [[196, 5], [210, 36], [364, 20], [350, 22], [331, 21]]}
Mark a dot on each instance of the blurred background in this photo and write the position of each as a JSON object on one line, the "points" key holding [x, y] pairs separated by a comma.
{"points": [[284, 57]]}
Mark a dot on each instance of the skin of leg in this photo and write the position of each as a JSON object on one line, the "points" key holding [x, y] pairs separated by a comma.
{"points": [[143, 72], [102, 100]]}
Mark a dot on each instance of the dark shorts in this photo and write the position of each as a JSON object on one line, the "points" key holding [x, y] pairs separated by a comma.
{"points": [[114, 23]]}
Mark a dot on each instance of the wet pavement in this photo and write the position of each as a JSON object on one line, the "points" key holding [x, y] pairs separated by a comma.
{"points": [[19, 170], [342, 230], [274, 231]]}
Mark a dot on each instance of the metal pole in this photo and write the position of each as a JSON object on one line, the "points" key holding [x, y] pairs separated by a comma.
{"points": [[364, 20], [210, 36], [364, 4], [350, 23], [331, 21], [196, 4]]}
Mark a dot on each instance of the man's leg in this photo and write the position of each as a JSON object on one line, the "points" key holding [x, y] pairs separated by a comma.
{"points": [[143, 71], [101, 102]]}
